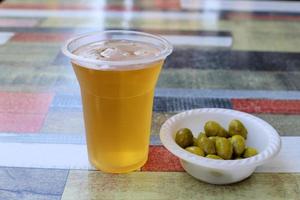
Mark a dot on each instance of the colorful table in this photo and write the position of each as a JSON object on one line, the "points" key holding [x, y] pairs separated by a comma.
{"points": [[242, 55]]}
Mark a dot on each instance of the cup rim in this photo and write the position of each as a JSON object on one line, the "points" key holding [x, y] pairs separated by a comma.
{"points": [[168, 141], [167, 50]]}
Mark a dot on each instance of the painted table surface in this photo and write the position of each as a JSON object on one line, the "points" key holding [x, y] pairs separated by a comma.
{"points": [[242, 55]]}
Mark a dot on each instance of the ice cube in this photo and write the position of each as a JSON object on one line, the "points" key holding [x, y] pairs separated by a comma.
{"points": [[108, 52], [113, 53], [141, 52]]}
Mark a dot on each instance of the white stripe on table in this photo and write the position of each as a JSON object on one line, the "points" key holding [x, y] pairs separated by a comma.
{"points": [[5, 36], [254, 6], [213, 41], [288, 159], [73, 156], [96, 15]]}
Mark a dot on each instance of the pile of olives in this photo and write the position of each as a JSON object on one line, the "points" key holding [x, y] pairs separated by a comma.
{"points": [[216, 142]]}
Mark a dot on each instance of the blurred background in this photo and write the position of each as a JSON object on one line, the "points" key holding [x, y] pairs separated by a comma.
{"points": [[232, 54]]}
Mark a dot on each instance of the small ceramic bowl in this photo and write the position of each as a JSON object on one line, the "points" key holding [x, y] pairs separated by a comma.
{"points": [[261, 136]]}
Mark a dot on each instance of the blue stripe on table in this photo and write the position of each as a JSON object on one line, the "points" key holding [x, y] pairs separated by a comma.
{"points": [[161, 104], [28, 183], [54, 138], [49, 138], [176, 104], [174, 100]]}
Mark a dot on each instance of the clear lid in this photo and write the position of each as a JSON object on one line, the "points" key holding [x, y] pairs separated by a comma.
{"points": [[78, 41]]}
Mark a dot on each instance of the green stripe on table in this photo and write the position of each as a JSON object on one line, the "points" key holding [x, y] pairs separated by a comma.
{"points": [[27, 53], [248, 34], [37, 77], [263, 35], [73, 122], [86, 185], [117, 22], [286, 125], [64, 122], [27, 76]]}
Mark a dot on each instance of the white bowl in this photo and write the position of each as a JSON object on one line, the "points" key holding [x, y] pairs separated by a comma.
{"points": [[261, 136]]}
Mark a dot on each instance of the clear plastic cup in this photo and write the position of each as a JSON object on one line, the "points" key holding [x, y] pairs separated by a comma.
{"points": [[117, 98]]}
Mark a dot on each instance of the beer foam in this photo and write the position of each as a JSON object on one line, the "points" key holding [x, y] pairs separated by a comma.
{"points": [[117, 50]]}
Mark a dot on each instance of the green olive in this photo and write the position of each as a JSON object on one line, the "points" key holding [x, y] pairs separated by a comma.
{"points": [[229, 139], [213, 128], [214, 157], [224, 148], [249, 152], [236, 127], [223, 133], [201, 134], [184, 137], [195, 142], [213, 138], [195, 150], [206, 145], [239, 144]]}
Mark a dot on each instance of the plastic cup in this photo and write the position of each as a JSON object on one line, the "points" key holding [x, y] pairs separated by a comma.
{"points": [[117, 99]]}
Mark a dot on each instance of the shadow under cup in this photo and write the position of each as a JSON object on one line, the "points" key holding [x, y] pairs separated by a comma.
{"points": [[117, 98]]}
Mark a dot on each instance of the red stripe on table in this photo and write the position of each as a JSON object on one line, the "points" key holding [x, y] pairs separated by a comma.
{"points": [[20, 123], [160, 159], [167, 4], [55, 6], [120, 8], [23, 112], [7, 22], [40, 37], [25, 103], [267, 106]]}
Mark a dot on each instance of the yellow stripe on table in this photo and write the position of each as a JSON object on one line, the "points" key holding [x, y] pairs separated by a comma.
{"points": [[86, 185]]}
